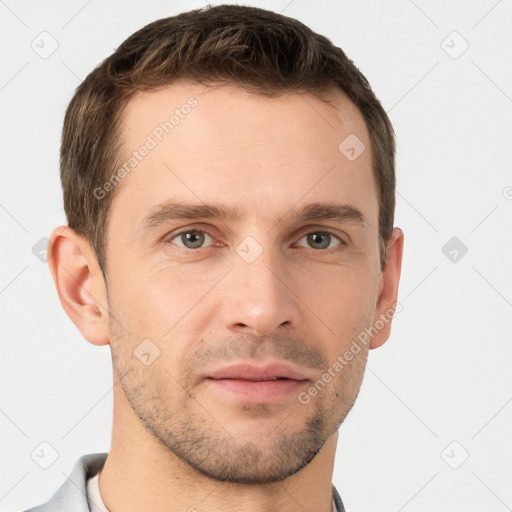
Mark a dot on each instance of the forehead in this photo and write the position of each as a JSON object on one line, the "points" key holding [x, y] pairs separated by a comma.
{"points": [[222, 144], [221, 117]]}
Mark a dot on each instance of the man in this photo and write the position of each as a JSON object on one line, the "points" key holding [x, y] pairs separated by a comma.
{"points": [[228, 181]]}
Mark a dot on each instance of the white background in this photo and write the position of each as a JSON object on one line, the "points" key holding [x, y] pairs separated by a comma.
{"points": [[444, 375]]}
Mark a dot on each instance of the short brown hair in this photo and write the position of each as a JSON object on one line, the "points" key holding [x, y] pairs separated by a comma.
{"points": [[260, 51]]}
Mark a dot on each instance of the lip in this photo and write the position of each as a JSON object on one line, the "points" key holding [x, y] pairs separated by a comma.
{"points": [[250, 372], [270, 383]]}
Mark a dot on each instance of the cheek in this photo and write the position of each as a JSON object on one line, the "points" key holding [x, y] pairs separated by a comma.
{"points": [[344, 300], [166, 307], [153, 302]]}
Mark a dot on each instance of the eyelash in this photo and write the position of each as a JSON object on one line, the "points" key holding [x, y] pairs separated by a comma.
{"points": [[197, 230]]}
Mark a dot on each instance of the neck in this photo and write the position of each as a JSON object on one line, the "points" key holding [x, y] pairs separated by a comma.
{"points": [[142, 474]]}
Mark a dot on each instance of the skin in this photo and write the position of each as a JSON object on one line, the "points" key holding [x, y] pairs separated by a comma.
{"points": [[179, 442]]}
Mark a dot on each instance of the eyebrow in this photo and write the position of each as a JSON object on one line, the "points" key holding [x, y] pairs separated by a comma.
{"points": [[314, 211]]}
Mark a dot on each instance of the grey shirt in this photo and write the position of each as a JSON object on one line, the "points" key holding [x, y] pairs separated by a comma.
{"points": [[72, 494]]}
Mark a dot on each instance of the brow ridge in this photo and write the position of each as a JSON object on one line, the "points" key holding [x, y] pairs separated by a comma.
{"points": [[172, 210]]}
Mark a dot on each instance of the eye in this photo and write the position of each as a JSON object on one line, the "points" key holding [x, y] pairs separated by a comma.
{"points": [[321, 240], [191, 239]]}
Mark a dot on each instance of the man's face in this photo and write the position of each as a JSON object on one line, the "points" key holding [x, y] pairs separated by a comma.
{"points": [[277, 287]]}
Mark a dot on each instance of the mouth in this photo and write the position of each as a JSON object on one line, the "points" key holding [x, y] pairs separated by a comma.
{"points": [[271, 383], [261, 380]]}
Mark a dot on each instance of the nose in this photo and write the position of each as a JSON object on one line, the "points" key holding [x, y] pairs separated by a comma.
{"points": [[259, 297]]}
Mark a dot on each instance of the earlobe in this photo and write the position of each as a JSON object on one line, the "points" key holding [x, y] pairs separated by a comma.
{"points": [[79, 282], [388, 289]]}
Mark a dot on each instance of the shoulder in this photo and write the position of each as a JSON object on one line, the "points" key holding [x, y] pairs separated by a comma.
{"points": [[72, 494]]}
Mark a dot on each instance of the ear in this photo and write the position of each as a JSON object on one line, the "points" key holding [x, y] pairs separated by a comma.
{"points": [[80, 284], [388, 290]]}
